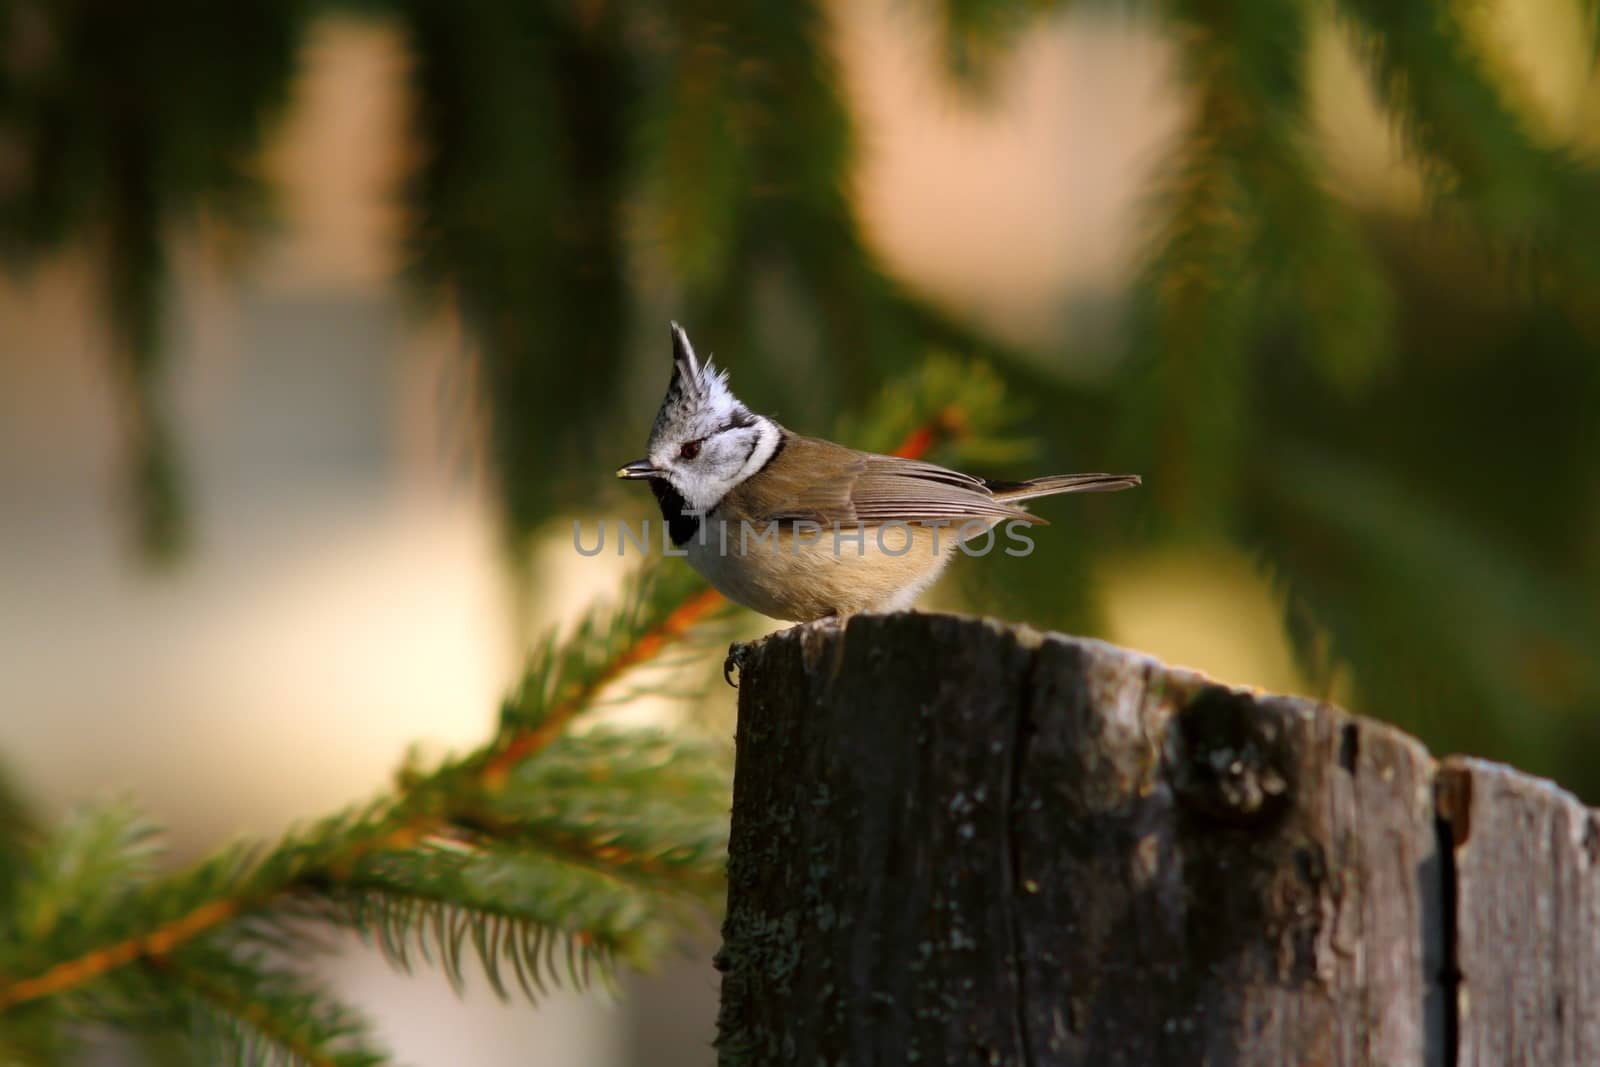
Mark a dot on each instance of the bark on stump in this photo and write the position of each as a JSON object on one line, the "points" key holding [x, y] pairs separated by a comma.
{"points": [[960, 842]]}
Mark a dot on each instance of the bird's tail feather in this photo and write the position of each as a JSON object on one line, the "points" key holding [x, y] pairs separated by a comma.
{"points": [[1062, 483]]}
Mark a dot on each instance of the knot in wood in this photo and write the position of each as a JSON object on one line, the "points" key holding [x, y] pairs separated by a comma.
{"points": [[1229, 759]]}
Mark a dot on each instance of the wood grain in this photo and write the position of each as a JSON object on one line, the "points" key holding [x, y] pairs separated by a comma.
{"points": [[1527, 918], [958, 842]]}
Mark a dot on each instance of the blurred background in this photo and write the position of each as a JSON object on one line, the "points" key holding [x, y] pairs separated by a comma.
{"points": [[320, 323]]}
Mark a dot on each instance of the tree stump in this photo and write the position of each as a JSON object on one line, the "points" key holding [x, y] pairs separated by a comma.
{"points": [[961, 842]]}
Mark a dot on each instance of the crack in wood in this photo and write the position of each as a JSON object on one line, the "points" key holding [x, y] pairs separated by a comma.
{"points": [[1016, 766], [1448, 977]]}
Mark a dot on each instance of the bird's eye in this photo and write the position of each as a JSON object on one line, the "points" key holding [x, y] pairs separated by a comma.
{"points": [[690, 450]]}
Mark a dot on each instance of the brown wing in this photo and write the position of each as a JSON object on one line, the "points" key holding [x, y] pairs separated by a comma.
{"points": [[812, 480]]}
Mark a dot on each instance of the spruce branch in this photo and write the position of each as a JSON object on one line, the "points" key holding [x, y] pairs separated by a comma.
{"points": [[1200, 298], [1248, 227], [567, 677], [493, 203], [166, 913], [90, 859], [248, 1010], [948, 405], [747, 142], [1406, 537], [507, 903], [1471, 143], [581, 802], [18, 832], [114, 156]]}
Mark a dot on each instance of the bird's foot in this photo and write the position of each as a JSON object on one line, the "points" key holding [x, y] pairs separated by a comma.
{"points": [[739, 651], [734, 664]]}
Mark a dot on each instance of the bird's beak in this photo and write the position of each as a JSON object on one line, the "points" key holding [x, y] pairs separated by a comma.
{"points": [[639, 468]]}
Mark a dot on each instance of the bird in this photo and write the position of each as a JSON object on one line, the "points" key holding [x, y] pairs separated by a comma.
{"points": [[803, 529]]}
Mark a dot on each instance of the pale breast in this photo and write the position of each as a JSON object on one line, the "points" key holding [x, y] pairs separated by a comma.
{"points": [[800, 574]]}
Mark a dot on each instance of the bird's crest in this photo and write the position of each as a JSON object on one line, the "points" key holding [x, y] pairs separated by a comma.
{"points": [[698, 396]]}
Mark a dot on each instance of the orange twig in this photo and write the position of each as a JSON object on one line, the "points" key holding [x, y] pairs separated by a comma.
{"points": [[522, 745], [158, 942], [944, 425]]}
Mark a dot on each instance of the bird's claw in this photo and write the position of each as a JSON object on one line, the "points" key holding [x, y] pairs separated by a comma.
{"points": [[734, 664]]}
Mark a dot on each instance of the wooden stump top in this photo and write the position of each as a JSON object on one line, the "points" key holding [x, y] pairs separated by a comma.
{"points": [[961, 842]]}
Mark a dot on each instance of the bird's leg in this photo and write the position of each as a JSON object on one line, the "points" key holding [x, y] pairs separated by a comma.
{"points": [[737, 651]]}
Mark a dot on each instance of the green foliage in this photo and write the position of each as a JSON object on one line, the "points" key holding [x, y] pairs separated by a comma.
{"points": [[1443, 554], [548, 855], [91, 861], [962, 406], [568, 668], [513, 907], [248, 1008], [121, 123], [977, 34], [617, 796], [1508, 614], [1391, 416], [521, 109], [744, 147], [1251, 238], [1471, 142], [17, 833]]}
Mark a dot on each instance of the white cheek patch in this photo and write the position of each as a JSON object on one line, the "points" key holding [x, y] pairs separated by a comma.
{"points": [[768, 436]]}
